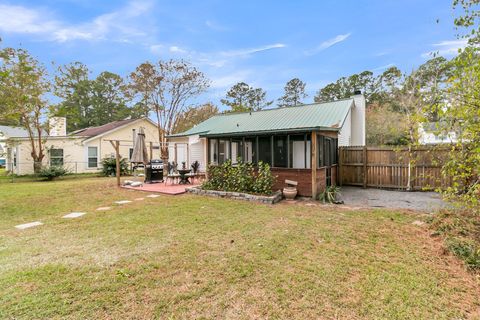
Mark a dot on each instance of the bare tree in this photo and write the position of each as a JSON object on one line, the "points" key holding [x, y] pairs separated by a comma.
{"points": [[166, 88]]}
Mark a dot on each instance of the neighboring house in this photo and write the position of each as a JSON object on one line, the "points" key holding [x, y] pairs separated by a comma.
{"points": [[289, 139], [81, 151], [7, 132], [431, 133]]}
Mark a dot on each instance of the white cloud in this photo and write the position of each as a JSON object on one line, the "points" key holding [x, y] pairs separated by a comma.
{"points": [[214, 59], [215, 26], [229, 80], [384, 67], [120, 25], [18, 19], [328, 43], [446, 48], [246, 52], [175, 49]]}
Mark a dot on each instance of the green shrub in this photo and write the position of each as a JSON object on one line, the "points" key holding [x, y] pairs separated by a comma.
{"points": [[50, 173], [109, 167], [330, 194], [467, 251], [241, 177], [264, 180]]}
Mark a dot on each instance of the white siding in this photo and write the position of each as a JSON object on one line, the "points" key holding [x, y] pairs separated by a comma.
{"points": [[197, 151], [358, 121], [345, 134]]}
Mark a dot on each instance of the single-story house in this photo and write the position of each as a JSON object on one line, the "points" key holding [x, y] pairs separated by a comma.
{"points": [[6, 132], [432, 133], [290, 139], [83, 150]]}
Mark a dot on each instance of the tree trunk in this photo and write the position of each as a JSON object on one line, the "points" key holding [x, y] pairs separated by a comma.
{"points": [[37, 166]]}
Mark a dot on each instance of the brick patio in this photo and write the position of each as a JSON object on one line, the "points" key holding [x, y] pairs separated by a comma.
{"points": [[172, 189]]}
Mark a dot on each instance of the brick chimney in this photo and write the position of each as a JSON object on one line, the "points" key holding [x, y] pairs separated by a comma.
{"points": [[58, 126]]}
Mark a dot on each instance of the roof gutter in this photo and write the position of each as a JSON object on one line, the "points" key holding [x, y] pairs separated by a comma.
{"points": [[261, 132]]}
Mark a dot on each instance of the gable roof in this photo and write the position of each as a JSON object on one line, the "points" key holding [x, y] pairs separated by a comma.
{"points": [[13, 132], [317, 116], [95, 131]]}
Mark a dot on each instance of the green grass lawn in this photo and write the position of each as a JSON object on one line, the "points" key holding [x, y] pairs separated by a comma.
{"points": [[194, 257]]}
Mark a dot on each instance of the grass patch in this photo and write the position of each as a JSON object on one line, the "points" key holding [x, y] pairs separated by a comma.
{"points": [[461, 231], [200, 257]]}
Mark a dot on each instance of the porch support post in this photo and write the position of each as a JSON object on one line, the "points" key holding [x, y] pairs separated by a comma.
{"points": [[243, 149], [305, 154], [288, 151], [314, 164], [175, 153], [207, 153], [217, 149], [271, 150]]}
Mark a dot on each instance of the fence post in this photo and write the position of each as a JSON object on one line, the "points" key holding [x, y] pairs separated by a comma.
{"points": [[340, 166], [365, 167]]}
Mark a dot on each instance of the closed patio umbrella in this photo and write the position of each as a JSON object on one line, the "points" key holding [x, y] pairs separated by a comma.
{"points": [[140, 154]]}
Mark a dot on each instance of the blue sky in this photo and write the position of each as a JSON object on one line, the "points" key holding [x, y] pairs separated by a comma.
{"points": [[263, 43]]}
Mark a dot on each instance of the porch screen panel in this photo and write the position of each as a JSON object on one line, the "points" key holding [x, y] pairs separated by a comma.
{"points": [[327, 151], [213, 158], [299, 152], [223, 151], [280, 151], [237, 153], [264, 149], [250, 150]]}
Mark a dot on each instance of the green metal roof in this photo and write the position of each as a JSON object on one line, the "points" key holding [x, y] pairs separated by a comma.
{"points": [[318, 116]]}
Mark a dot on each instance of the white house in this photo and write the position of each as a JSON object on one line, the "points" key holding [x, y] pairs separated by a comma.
{"points": [[80, 151], [431, 133], [7, 132]]}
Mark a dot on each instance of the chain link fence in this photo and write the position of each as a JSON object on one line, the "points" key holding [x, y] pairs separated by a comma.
{"points": [[24, 171]]}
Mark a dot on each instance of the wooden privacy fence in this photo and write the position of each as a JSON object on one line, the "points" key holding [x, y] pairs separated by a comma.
{"points": [[395, 168]]}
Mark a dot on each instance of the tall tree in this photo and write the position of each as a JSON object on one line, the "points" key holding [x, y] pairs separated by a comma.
{"points": [[294, 93], [23, 87], [109, 99], [242, 98], [193, 116], [345, 87], [73, 86], [166, 87]]}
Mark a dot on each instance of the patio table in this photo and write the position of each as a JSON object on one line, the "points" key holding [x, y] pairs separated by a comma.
{"points": [[183, 176]]}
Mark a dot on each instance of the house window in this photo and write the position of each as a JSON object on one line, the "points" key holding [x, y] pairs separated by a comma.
{"points": [[92, 157], [130, 152], [56, 157]]}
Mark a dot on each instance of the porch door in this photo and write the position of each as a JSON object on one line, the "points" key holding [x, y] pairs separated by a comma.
{"points": [[299, 154]]}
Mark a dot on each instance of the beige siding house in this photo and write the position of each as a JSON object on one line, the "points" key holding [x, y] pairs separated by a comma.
{"points": [[81, 151]]}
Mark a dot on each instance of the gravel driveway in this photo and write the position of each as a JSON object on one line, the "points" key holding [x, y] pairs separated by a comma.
{"points": [[424, 201]]}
